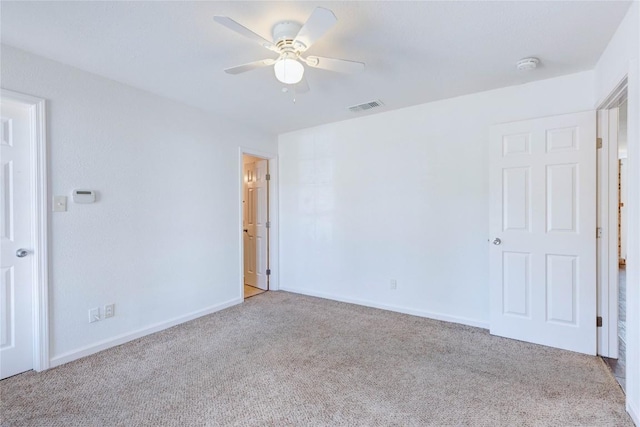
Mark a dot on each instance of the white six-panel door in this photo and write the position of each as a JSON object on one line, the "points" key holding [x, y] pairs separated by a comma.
{"points": [[255, 223], [543, 231], [248, 218], [260, 194], [16, 272]]}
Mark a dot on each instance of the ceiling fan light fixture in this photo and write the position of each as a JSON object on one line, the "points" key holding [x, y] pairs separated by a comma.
{"points": [[288, 71]]}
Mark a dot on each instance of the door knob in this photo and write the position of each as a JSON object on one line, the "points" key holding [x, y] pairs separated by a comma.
{"points": [[21, 253], [496, 241], [245, 230]]}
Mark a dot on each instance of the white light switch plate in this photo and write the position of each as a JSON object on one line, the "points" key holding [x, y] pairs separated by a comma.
{"points": [[59, 203]]}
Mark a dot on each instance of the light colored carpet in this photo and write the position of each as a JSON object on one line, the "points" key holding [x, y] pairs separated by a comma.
{"points": [[286, 359]]}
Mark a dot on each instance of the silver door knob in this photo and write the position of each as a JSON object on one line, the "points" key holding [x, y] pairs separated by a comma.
{"points": [[21, 253], [496, 241]]}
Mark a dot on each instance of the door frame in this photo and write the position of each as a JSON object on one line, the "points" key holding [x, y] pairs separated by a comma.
{"points": [[607, 220], [40, 225], [272, 159], [607, 276]]}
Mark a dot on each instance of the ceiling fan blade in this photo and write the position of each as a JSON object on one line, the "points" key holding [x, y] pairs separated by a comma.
{"points": [[332, 64], [241, 29], [250, 66], [319, 22]]}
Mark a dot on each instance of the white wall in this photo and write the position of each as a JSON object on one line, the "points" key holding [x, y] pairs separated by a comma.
{"points": [[404, 195], [162, 242], [619, 59], [613, 64]]}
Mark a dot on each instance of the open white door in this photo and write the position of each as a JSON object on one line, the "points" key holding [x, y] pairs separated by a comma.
{"points": [[255, 224], [543, 231], [16, 271], [248, 225], [261, 194]]}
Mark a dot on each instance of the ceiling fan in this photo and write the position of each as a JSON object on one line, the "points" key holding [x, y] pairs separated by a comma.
{"points": [[290, 41]]}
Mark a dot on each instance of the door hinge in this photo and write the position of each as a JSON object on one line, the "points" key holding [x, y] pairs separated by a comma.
{"points": [[598, 142], [599, 321], [598, 232], [268, 177], [268, 272], [268, 224]]}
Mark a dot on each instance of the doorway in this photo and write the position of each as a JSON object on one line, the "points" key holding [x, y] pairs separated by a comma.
{"points": [[612, 199], [618, 176], [255, 225]]}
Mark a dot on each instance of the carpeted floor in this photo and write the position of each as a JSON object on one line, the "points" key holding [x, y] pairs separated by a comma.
{"points": [[286, 359]]}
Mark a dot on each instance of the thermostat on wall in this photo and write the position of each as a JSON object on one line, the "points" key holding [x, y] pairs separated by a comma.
{"points": [[84, 196]]}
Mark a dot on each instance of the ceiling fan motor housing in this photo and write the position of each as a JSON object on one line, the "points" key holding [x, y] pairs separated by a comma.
{"points": [[284, 33]]}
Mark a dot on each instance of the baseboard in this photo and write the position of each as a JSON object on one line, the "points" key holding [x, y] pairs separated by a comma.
{"points": [[130, 336], [399, 309], [634, 412]]}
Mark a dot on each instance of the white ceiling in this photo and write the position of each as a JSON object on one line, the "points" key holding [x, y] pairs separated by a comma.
{"points": [[415, 51]]}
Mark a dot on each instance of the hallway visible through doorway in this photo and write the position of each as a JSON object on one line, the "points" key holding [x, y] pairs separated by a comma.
{"points": [[251, 291], [618, 366]]}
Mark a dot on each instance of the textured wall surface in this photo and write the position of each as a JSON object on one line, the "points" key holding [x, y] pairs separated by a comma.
{"points": [[162, 240], [404, 195]]}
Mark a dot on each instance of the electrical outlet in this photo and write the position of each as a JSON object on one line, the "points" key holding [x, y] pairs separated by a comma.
{"points": [[109, 310], [94, 315], [394, 284]]}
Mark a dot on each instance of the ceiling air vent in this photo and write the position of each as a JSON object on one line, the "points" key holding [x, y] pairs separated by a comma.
{"points": [[366, 106]]}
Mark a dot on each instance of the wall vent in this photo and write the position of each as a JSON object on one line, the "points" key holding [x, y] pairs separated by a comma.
{"points": [[366, 106]]}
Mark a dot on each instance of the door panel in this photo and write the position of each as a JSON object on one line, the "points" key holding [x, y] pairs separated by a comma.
{"points": [[16, 276], [261, 218], [562, 189], [561, 288], [250, 226], [516, 286], [543, 215], [7, 314], [516, 199]]}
